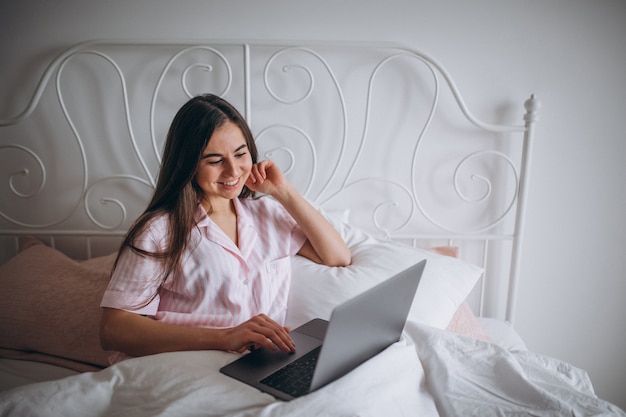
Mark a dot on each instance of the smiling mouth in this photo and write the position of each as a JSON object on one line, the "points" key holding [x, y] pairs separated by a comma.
{"points": [[231, 183]]}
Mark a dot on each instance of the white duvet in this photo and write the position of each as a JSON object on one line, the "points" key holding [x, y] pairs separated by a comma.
{"points": [[429, 372]]}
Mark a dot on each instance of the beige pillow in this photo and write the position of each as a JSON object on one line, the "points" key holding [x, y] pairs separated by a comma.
{"points": [[50, 307]]}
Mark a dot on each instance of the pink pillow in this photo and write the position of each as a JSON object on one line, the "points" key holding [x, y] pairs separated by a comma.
{"points": [[50, 307], [464, 321]]}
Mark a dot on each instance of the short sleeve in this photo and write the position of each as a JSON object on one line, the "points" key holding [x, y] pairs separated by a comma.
{"points": [[136, 279], [298, 238]]}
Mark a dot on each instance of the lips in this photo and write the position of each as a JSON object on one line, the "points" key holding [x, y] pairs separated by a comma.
{"points": [[232, 183]]}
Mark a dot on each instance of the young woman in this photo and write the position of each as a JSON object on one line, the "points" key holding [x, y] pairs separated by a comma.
{"points": [[207, 265]]}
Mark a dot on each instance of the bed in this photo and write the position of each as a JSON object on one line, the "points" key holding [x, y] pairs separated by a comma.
{"points": [[377, 136]]}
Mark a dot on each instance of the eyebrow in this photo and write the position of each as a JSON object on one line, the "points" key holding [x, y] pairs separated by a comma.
{"points": [[217, 155]]}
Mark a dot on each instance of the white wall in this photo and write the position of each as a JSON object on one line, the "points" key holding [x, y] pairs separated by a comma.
{"points": [[570, 53]]}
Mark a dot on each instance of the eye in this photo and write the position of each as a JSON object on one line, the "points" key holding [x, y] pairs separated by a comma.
{"points": [[241, 154], [219, 161]]}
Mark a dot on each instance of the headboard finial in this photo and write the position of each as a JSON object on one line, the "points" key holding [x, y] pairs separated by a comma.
{"points": [[532, 106]]}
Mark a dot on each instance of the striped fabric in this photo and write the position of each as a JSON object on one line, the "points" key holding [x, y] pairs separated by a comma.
{"points": [[220, 285]]}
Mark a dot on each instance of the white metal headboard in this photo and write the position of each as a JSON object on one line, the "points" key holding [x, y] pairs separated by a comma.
{"points": [[381, 130]]}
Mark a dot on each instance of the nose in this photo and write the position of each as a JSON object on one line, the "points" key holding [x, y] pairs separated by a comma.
{"points": [[231, 167]]}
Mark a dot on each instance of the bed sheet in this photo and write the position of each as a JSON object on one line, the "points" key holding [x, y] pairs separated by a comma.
{"points": [[429, 372], [18, 372]]}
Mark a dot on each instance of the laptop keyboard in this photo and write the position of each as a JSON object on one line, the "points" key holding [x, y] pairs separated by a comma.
{"points": [[295, 378]]}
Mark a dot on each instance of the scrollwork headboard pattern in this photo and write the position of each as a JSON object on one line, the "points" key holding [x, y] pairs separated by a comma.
{"points": [[381, 130]]}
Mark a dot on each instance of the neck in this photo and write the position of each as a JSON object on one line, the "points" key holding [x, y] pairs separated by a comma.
{"points": [[225, 216], [218, 208]]}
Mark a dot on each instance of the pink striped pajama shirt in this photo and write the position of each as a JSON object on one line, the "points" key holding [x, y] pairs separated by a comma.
{"points": [[220, 285]]}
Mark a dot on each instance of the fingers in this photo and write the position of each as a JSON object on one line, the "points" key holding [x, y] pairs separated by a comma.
{"points": [[258, 175], [270, 334], [266, 177], [261, 331], [261, 170]]}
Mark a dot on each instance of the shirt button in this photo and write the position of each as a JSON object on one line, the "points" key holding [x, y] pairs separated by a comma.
{"points": [[246, 282]]}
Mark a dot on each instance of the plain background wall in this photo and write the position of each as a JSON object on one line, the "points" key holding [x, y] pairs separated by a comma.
{"points": [[571, 54]]}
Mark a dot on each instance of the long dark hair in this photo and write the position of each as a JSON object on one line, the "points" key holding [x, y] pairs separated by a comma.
{"points": [[176, 194]]}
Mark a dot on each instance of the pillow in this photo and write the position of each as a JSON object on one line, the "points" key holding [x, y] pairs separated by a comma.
{"points": [[502, 333], [317, 289], [465, 323], [50, 307]]}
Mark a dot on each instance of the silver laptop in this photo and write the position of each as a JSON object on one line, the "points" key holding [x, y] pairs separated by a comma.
{"points": [[326, 350]]}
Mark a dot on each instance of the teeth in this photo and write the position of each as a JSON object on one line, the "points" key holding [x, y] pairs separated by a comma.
{"points": [[231, 183]]}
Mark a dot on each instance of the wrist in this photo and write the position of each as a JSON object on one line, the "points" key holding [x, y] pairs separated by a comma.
{"points": [[212, 339], [284, 193], [220, 339]]}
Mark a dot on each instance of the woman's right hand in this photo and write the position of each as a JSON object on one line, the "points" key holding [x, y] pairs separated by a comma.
{"points": [[259, 331]]}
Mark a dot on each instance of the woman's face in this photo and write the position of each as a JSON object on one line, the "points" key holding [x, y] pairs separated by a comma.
{"points": [[225, 165]]}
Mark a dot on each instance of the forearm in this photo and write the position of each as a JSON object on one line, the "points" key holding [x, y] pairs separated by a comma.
{"points": [[324, 244], [138, 335], [322, 236]]}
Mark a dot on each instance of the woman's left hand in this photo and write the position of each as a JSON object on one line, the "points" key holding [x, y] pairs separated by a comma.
{"points": [[267, 178]]}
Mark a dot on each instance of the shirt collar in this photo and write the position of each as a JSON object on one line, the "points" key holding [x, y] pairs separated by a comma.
{"points": [[245, 224], [202, 219]]}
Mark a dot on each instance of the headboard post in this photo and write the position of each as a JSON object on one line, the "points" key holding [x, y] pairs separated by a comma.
{"points": [[247, 84], [532, 106]]}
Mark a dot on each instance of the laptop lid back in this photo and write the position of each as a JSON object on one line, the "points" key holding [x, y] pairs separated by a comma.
{"points": [[366, 325]]}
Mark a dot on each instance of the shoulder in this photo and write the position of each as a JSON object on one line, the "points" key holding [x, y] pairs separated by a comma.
{"points": [[261, 205], [153, 234], [266, 214], [265, 210]]}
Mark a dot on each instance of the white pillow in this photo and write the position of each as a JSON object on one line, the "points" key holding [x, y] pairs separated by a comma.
{"points": [[317, 289]]}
